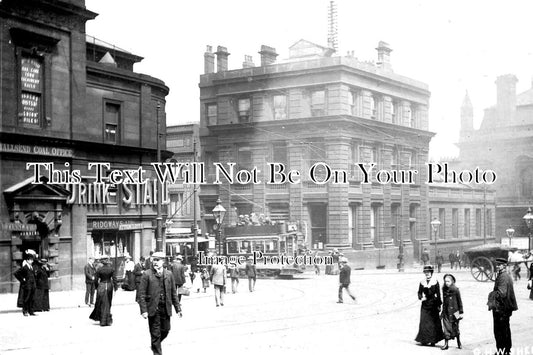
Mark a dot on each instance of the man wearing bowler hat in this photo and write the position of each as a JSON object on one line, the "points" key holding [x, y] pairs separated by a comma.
{"points": [[504, 305], [157, 295]]}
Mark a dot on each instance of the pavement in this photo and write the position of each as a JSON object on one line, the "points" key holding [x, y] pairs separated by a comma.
{"points": [[285, 316]]}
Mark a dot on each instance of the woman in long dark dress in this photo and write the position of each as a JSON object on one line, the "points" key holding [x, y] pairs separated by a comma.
{"points": [[105, 283], [429, 330], [41, 300], [531, 281]]}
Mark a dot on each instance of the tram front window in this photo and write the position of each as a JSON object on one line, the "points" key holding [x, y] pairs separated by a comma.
{"points": [[258, 245], [245, 247], [233, 247], [272, 246]]}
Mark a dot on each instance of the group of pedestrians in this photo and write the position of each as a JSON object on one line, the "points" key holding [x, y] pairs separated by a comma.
{"points": [[440, 317], [34, 288], [457, 259]]}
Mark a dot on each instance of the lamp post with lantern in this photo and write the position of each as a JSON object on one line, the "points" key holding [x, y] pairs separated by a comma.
{"points": [[219, 212], [510, 233], [528, 218], [435, 225]]}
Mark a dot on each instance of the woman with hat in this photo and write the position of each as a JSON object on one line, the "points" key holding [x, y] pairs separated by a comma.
{"points": [[105, 283], [452, 310], [41, 301], [129, 277], [430, 330]]}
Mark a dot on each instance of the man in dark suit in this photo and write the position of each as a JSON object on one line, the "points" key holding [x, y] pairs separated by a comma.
{"points": [[26, 277], [138, 270], [178, 271], [157, 295], [505, 305], [251, 272], [345, 279], [90, 271]]}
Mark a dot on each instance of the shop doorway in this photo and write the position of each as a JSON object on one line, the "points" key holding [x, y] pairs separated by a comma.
{"points": [[114, 244]]}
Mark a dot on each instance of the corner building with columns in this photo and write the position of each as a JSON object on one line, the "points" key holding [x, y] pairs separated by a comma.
{"points": [[314, 107], [70, 99]]}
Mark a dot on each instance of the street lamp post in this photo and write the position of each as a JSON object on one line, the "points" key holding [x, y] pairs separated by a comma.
{"points": [[159, 218], [528, 218], [510, 233], [435, 224], [219, 212]]}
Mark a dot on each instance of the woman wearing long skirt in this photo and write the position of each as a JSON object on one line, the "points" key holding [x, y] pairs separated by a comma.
{"points": [[429, 330], [452, 310], [106, 283], [530, 282], [129, 278], [41, 300]]}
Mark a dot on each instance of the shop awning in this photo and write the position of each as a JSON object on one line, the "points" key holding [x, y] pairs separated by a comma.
{"points": [[189, 239], [180, 231]]}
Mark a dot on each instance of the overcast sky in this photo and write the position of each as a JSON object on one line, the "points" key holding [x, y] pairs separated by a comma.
{"points": [[453, 45]]}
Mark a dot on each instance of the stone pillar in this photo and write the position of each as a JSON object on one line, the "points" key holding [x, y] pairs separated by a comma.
{"points": [[337, 157], [79, 246], [386, 161], [387, 109], [366, 109]]}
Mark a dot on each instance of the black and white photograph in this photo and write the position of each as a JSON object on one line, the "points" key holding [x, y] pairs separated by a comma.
{"points": [[288, 177]]}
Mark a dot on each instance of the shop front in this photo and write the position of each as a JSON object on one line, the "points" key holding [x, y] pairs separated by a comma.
{"points": [[117, 238]]}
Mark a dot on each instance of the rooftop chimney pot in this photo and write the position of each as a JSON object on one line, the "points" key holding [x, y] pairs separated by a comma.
{"points": [[248, 62], [384, 50], [268, 55], [222, 58], [209, 60]]}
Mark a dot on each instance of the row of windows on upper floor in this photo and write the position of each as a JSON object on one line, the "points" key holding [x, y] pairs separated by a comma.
{"points": [[315, 152], [359, 103]]}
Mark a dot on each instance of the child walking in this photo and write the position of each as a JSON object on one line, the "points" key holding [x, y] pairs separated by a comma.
{"points": [[205, 279], [452, 311]]}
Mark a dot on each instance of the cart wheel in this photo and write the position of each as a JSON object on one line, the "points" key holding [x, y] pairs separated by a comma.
{"points": [[482, 269]]}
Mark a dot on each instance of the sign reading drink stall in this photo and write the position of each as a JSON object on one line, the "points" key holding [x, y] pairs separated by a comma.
{"points": [[30, 74]]}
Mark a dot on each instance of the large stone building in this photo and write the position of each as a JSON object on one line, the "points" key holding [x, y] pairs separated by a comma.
{"points": [[503, 143], [70, 99], [183, 141]]}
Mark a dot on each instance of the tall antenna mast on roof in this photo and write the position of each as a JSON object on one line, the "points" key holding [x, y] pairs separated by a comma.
{"points": [[333, 41]]}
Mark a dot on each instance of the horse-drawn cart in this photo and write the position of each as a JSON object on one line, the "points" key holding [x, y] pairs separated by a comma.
{"points": [[482, 260]]}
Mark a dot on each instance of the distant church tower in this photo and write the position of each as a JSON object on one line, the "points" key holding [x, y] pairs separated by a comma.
{"points": [[467, 118]]}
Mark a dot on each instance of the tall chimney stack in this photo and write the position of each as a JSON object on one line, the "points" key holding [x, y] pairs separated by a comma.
{"points": [[209, 60], [222, 58], [384, 56], [506, 98], [268, 55]]}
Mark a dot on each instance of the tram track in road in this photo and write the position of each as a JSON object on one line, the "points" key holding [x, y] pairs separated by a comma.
{"points": [[404, 302]]}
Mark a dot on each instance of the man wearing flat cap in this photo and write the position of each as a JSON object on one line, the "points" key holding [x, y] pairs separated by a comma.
{"points": [[157, 295], [504, 305]]}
